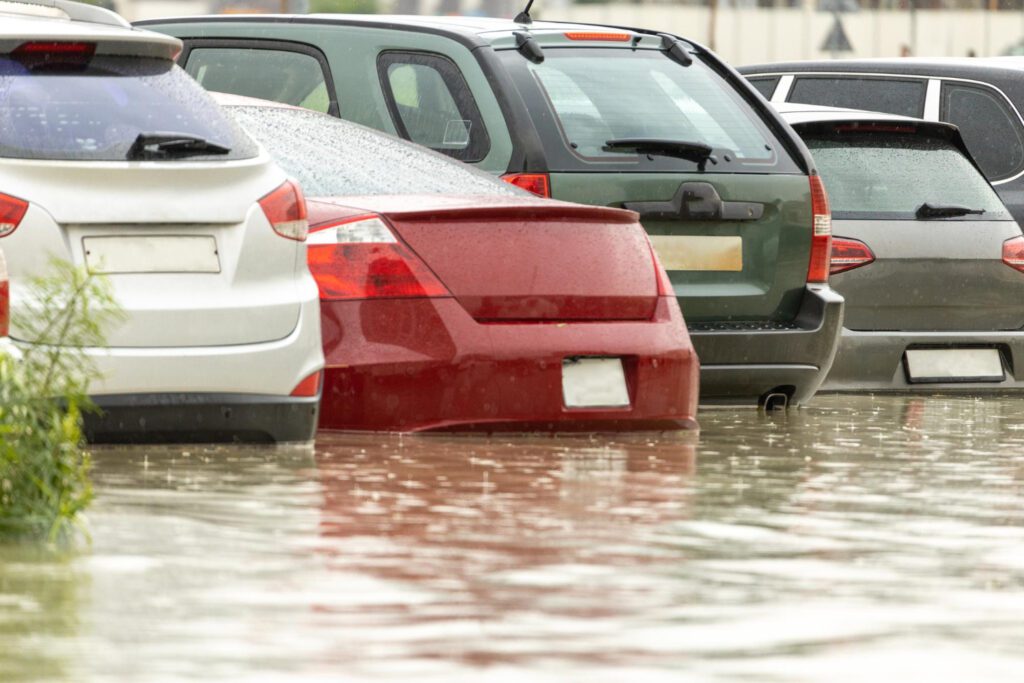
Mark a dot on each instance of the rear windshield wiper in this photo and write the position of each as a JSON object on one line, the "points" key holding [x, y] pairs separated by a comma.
{"points": [[171, 145], [697, 152], [927, 210]]}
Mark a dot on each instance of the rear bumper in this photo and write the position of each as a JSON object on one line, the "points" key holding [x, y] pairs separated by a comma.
{"points": [[201, 418], [740, 366], [425, 364], [874, 361]]}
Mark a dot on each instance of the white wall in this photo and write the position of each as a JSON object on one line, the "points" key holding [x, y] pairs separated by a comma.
{"points": [[750, 35]]}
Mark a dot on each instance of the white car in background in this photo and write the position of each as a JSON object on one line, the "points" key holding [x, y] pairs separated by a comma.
{"points": [[113, 158]]}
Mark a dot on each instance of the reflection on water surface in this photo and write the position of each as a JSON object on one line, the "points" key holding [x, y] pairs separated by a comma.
{"points": [[863, 538]]}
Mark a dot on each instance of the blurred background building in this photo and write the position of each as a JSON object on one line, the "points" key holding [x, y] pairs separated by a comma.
{"points": [[741, 31]]}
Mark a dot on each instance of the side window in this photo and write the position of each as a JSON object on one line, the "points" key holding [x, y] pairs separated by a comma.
{"points": [[765, 85], [281, 75], [888, 95], [431, 104], [991, 130]]}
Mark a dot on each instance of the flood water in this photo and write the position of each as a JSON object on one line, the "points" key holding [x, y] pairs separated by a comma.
{"points": [[860, 539]]}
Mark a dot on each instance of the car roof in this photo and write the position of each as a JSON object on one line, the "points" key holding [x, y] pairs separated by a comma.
{"points": [[796, 114], [24, 21], [226, 99], [944, 66]]}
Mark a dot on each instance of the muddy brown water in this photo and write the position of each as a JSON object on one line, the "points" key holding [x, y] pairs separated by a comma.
{"points": [[863, 538]]}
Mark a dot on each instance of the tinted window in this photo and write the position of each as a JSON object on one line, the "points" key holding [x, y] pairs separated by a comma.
{"points": [[599, 95], [765, 86], [889, 95], [991, 130], [890, 175], [431, 104], [97, 112], [278, 75], [333, 158]]}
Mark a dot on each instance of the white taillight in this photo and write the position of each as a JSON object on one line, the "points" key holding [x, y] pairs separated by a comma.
{"points": [[362, 230], [285, 208]]}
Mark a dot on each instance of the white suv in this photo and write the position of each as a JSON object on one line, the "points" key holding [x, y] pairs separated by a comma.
{"points": [[113, 158]]}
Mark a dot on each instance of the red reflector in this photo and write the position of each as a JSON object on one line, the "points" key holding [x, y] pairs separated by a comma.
{"points": [[5, 298], [537, 183], [1013, 253], [594, 35], [848, 254], [285, 208], [45, 53], [12, 210], [360, 258], [821, 234], [310, 386]]}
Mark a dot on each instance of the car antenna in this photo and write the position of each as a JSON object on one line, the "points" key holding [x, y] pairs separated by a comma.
{"points": [[524, 16]]}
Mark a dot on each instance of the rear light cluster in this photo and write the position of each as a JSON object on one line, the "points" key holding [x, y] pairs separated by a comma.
{"points": [[537, 183], [41, 54], [360, 258], [848, 254], [5, 298], [1013, 253], [285, 208], [12, 210], [821, 237], [310, 386]]}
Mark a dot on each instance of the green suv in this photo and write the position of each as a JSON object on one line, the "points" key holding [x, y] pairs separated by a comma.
{"points": [[592, 114]]}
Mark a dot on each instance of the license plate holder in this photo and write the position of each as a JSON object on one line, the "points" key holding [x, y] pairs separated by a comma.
{"points": [[119, 254], [594, 382], [933, 366]]}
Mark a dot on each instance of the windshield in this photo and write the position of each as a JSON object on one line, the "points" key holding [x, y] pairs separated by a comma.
{"points": [[604, 94], [97, 112], [334, 158], [890, 175]]}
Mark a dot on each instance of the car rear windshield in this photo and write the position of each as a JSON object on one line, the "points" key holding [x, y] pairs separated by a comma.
{"points": [[97, 111], [890, 175], [601, 94], [334, 158]]}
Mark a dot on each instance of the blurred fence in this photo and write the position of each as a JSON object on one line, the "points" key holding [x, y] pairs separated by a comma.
{"points": [[741, 31]]}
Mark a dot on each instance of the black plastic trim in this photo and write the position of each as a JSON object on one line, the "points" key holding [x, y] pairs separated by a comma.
{"points": [[201, 418]]}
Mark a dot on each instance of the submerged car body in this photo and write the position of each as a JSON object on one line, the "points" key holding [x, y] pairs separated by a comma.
{"points": [[453, 301], [613, 117], [928, 258], [112, 159]]}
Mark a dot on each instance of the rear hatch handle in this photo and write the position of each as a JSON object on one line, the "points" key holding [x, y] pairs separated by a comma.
{"points": [[697, 201]]}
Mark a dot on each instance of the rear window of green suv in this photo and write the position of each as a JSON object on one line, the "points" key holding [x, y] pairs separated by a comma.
{"points": [[602, 94], [890, 175], [96, 111]]}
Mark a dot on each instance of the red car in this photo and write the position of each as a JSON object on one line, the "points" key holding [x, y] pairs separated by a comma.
{"points": [[453, 301]]}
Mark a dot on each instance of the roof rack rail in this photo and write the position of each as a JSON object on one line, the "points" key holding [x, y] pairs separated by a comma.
{"points": [[76, 11]]}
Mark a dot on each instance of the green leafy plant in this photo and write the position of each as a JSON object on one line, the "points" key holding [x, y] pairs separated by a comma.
{"points": [[44, 467], [343, 6]]}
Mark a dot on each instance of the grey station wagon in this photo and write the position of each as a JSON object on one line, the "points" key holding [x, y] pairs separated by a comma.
{"points": [[598, 115], [929, 260]]}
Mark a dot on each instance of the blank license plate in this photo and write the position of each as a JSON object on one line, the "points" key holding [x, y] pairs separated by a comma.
{"points": [[152, 254], [594, 383], [699, 252], [954, 365]]}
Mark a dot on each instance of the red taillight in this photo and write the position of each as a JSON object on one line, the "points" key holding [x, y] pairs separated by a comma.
{"points": [[1013, 253], [5, 298], [39, 53], [595, 35], [537, 183], [360, 258], [821, 236], [848, 254], [310, 386], [12, 210], [285, 208]]}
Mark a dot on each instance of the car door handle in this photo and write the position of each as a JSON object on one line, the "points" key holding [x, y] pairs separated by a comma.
{"points": [[697, 202]]}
